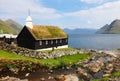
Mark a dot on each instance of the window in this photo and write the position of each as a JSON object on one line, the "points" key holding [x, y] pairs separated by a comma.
{"points": [[66, 40], [40, 42], [56, 41], [60, 40], [46, 42], [51, 41]]}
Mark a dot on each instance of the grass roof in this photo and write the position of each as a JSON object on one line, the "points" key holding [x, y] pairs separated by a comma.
{"points": [[41, 32]]}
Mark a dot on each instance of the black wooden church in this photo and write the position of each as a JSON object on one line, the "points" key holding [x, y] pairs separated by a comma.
{"points": [[41, 37]]}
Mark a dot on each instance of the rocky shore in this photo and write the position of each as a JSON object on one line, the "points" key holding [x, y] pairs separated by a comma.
{"points": [[102, 64], [99, 66]]}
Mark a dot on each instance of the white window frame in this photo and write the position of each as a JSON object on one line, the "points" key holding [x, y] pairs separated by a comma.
{"points": [[66, 40], [46, 42], [51, 41], [60, 40], [56, 41], [40, 43]]}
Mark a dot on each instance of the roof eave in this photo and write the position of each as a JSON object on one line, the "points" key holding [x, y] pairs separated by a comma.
{"points": [[52, 38]]}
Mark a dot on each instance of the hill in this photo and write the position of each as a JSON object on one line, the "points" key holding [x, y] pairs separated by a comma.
{"points": [[5, 28], [79, 31], [9, 27], [113, 28], [14, 25]]}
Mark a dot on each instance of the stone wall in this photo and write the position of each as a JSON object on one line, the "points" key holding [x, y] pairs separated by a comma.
{"points": [[38, 54]]}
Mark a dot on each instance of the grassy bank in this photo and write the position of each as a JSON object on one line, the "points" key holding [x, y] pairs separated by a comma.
{"points": [[59, 49], [113, 75], [56, 62]]}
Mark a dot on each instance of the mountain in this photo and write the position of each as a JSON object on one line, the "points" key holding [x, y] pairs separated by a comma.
{"points": [[113, 28], [5, 28], [9, 27], [14, 25], [79, 31]]}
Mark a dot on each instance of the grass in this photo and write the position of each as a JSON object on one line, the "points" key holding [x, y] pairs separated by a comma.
{"points": [[55, 62], [6, 28], [39, 31], [60, 49], [65, 60]]}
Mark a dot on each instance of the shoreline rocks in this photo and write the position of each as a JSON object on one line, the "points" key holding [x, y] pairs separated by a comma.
{"points": [[8, 78], [101, 64]]}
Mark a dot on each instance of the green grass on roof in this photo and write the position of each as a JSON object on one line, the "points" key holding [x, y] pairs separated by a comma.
{"points": [[40, 32]]}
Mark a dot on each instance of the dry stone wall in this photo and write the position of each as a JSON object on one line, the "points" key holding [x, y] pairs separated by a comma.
{"points": [[38, 54]]}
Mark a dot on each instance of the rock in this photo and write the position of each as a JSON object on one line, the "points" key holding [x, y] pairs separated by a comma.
{"points": [[60, 78], [42, 79], [108, 70], [105, 75], [7, 78], [96, 65], [71, 77], [82, 71], [50, 71], [50, 77], [26, 75], [109, 67], [14, 70]]}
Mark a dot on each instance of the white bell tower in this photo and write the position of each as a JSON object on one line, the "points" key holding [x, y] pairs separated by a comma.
{"points": [[29, 21]]}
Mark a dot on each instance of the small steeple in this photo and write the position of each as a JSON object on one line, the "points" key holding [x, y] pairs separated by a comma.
{"points": [[28, 12], [29, 20]]}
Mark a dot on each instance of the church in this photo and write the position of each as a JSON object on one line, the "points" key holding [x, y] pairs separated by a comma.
{"points": [[38, 37]]}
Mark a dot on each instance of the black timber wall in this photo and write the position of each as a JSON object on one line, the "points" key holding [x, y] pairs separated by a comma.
{"points": [[25, 39], [41, 44]]}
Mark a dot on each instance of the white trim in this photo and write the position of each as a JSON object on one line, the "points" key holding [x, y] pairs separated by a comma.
{"points": [[8, 35], [64, 46]]}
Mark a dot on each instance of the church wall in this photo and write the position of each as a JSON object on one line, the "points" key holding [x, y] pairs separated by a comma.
{"points": [[41, 44], [25, 39]]}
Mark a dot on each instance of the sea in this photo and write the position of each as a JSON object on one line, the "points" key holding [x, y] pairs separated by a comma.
{"points": [[94, 41]]}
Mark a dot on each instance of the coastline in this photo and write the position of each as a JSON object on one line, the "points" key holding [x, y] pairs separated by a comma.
{"points": [[30, 71]]}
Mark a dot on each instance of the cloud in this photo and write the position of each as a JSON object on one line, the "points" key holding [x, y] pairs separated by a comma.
{"points": [[90, 18], [93, 1], [19, 8], [96, 17]]}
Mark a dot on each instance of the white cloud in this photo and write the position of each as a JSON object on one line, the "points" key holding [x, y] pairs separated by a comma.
{"points": [[90, 18], [19, 8], [97, 17], [93, 1]]}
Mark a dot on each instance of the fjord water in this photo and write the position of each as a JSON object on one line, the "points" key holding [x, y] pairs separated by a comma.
{"points": [[95, 41]]}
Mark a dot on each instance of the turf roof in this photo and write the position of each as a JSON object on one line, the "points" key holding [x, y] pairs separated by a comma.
{"points": [[41, 32]]}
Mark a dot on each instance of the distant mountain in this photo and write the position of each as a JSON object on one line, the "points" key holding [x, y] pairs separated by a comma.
{"points": [[79, 31], [14, 25], [5, 28], [113, 28], [9, 27]]}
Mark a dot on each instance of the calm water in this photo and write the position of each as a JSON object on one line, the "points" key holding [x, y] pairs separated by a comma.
{"points": [[95, 41]]}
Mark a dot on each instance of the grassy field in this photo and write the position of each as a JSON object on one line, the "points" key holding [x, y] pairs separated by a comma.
{"points": [[59, 49], [56, 62]]}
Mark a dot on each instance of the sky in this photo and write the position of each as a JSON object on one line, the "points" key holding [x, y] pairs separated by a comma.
{"points": [[84, 14]]}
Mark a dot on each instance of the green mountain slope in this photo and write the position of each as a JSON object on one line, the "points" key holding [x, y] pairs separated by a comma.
{"points": [[14, 25], [113, 28], [6, 28]]}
